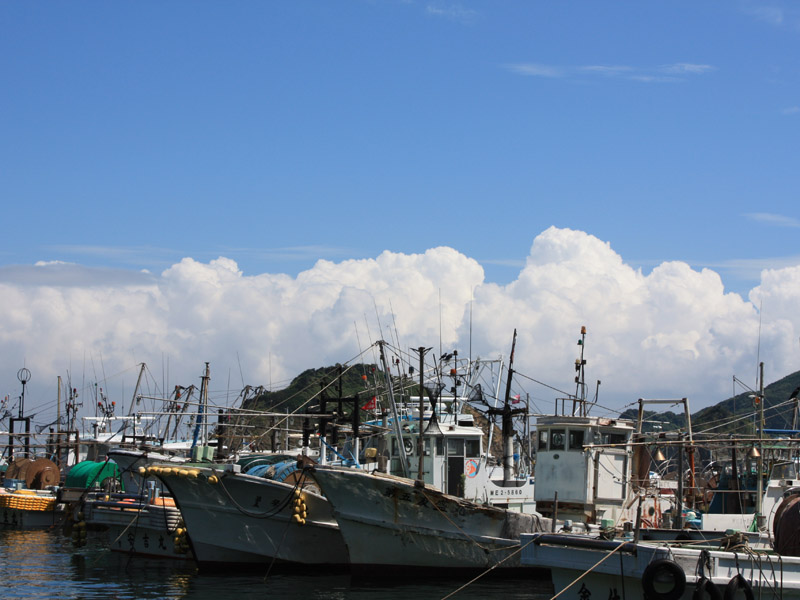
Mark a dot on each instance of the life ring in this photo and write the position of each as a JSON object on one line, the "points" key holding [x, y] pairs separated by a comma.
{"points": [[737, 584], [665, 572], [706, 587]]}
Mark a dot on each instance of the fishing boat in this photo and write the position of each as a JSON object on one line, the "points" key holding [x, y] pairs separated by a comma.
{"points": [[255, 510], [269, 513], [29, 495], [583, 568], [678, 554], [458, 512], [132, 511], [670, 564], [30, 479]]}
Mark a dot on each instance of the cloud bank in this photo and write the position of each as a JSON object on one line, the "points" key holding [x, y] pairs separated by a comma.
{"points": [[673, 332]]}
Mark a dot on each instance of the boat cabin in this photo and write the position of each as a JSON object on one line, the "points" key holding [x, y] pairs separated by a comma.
{"points": [[583, 467]]}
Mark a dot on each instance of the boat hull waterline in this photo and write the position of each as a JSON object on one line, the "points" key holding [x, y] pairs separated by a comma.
{"points": [[239, 519], [392, 523]]}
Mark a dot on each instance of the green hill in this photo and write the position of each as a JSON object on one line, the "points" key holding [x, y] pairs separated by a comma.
{"points": [[305, 390], [737, 414], [734, 415]]}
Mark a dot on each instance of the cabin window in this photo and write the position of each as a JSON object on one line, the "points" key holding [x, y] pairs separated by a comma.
{"points": [[576, 439], [543, 440], [473, 447], [557, 439], [455, 447], [784, 471], [439, 446], [613, 438]]}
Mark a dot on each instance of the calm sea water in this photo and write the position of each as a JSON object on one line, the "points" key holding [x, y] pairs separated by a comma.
{"points": [[44, 564]]}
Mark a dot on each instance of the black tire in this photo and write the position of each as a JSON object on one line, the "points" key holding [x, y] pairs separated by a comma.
{"points": [[661, 570], [738, 583], [706, 587]]}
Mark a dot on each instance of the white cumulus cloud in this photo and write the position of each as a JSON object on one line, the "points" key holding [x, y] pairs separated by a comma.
{"points": [[673, 332]]}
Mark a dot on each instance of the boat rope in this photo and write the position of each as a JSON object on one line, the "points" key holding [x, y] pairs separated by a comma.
{"points": [[771, 583], [490, 569], [303, 476], [270, 512], [128, 526], [592, 568], [277, 549]]}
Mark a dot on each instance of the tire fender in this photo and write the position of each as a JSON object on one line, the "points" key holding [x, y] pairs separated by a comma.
{"points": [[738, 583], [663, 569], [706, 587]]}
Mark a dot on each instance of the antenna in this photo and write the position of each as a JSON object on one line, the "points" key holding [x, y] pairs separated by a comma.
{"points": [[378, 317], [758, 346], [360, 351], [394, 323], [240, 370], [440, 321], [471, 300]]}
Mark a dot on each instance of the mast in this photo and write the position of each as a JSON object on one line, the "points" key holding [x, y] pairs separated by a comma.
{"points": [[508, 428], [201, 426], [398, 432], [580, 382], [420, 439], [58, 410], [760, 472], [507, 415], [206, 378]]}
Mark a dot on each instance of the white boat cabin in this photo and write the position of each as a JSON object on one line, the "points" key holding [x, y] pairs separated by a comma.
{"points": [[454, 458], [583, 467]]}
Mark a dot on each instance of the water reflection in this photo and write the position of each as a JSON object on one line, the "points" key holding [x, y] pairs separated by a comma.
{"points": [[44, 564]]}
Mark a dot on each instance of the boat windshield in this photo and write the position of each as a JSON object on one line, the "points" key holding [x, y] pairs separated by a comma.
{"points": [[784, 470]]}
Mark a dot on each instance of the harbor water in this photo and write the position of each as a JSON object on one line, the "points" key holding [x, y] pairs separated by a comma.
{"points": [[45, 564]]}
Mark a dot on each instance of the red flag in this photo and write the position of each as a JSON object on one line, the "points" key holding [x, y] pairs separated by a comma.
{"points": [[369, 405]]}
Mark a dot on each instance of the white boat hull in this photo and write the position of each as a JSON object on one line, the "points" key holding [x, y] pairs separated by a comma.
{"points": [[389, 523], [246, 520], [578, 573]]}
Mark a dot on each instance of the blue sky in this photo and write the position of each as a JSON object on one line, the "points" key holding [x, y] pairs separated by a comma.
{"points": [[275, 134], [278, 133]]}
